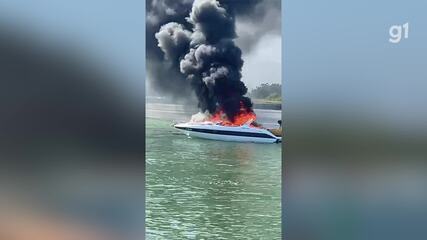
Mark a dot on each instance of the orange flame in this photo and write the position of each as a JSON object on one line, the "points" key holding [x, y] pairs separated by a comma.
{"points": [[244, 116]]}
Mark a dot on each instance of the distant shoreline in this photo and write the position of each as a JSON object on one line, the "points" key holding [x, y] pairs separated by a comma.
{"points": [[267, 104]]}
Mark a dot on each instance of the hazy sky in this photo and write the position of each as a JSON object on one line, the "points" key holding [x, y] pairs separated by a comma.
{"points": [[261, 42], [264, 63]]}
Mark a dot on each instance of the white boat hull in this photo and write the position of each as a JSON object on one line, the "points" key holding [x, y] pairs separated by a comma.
{"points": [[225, 133]]}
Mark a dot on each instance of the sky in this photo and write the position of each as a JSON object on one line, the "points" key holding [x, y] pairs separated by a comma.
{"points": [[263, 61], [263, 64]]}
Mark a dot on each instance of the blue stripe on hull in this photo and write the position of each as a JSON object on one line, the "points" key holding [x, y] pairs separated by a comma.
{"points": [[231, 133]]}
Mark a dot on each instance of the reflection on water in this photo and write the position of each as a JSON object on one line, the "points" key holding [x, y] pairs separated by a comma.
{"points": [[210, 189]]}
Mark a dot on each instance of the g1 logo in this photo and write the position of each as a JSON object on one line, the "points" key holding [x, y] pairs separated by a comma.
{"points": [[399, 31]]}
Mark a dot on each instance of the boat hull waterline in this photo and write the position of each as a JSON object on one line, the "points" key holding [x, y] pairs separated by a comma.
{"points": [[218, 132]]}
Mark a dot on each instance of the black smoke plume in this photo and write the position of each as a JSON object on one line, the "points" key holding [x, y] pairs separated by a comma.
{"points": [[191, 46]]}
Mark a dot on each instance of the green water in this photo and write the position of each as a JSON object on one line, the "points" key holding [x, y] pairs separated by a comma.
{"points": [[203, 189]]}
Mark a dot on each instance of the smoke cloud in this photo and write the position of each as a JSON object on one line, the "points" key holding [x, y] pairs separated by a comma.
{"points": [[191, 50]]}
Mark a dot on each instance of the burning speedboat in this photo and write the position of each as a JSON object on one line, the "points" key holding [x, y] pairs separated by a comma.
{"points": [[216, 131], [223, 130]]}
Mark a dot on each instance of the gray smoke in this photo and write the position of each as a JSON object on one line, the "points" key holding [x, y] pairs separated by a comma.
{"points": [[262, 19], [191, 49], [173, 40]]}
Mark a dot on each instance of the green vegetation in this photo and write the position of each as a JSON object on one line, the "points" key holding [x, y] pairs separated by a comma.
{"points": [[270, 92]]}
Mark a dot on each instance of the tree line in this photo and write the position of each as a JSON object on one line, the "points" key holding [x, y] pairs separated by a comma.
{"points": [[267, 91]]}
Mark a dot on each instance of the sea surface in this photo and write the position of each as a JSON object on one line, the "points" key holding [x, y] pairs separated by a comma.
{"points": [[205, 189]]}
